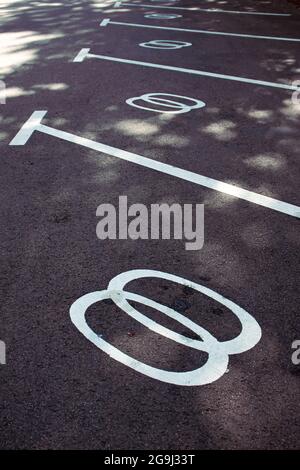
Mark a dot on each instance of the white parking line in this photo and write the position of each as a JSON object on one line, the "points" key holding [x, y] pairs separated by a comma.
{"points": [[208, 10], [85, 53], [107, 21], [34, 124]]}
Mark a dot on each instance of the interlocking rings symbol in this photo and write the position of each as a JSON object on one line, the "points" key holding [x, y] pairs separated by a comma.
{"points": [[175, 107], [218, 351], [162, 16], [168, 44]]}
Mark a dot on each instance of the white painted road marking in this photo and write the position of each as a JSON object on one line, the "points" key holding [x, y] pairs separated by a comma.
{"points": [[167, 44], [208, 10], [107, 21], [218, 351], [158, 99], [84, 53], [34, 124], [158, 16]]}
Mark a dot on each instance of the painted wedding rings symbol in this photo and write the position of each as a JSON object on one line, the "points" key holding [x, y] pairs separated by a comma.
{"points": [[218, 351], [162, 16], [168, 44], [162, 103]]}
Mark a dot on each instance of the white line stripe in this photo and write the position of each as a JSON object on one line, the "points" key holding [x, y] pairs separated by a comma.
{"points": [[202, 31], [208, 10], [34, 124], [193, 72]]}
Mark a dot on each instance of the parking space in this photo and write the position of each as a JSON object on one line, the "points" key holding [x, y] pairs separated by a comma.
{"points": [[95, 111]]}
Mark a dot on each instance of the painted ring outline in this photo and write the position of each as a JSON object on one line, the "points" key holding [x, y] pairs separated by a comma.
{"points": [[239, 344], [162, 44], [218, 352], [162, 16], [205, 374], [182, 108]]}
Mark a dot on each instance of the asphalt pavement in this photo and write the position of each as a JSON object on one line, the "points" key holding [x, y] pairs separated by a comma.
{"points": [[238, 154]]}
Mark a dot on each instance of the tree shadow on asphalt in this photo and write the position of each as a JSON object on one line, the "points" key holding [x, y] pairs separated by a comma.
{"points": [[51, 255]]}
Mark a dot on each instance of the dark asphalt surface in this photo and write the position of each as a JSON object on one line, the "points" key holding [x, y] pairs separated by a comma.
{"points": [[57, 389]]}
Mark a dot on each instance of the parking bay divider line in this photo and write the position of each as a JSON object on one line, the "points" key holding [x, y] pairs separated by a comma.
{"points": [[84, 53], [107, 21], [34, 124]]}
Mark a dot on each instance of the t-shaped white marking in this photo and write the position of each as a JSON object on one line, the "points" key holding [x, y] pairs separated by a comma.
{"points": [[82, 54], [34, 124], [104, 22]]}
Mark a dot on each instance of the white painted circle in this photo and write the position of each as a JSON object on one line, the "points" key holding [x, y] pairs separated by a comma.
{"points": [[251, 331], [162, 16], [158, 99], [213, 369], [218, 352], [168, 44]]}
